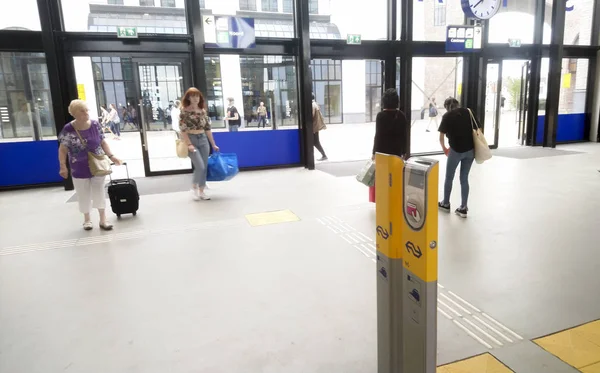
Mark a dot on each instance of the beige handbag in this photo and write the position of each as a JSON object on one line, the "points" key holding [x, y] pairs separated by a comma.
{"points": [[99, 163], [318, 121], [482, 149], [182, 148]]}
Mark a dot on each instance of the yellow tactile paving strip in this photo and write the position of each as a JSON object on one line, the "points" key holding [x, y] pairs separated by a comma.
{"points": [[272, 217], [592, 369], [578, 347], [485, 363]]}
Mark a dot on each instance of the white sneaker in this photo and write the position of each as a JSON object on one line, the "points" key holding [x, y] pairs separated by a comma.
{"points": [[204, 197], [195, 194]]}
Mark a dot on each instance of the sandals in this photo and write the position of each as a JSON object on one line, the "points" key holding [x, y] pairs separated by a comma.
{"points": [[88, 226], [106, 226]]}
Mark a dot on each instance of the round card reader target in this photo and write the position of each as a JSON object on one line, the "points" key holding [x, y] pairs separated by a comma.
{"points": [[415, 190]]}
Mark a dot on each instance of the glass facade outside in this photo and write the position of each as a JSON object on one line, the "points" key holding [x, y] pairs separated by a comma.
{"points": [[578, 22], [433, 80], [250, 80], [430, 18], [25, 99], [515, 20], [335, 19], [149, 16], [327, 88], [12, 16], [373, 89], [272, 18], [573, 87]]}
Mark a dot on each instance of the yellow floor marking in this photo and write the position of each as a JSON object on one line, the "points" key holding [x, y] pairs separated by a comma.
{"points": [[591, 369], [273, 217], [578, 347], [485, 363]]}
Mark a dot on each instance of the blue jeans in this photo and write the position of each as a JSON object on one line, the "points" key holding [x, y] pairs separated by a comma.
{"points": [[262, 119], [234, 127], [466, 161], [199, 158], [115, 128]]}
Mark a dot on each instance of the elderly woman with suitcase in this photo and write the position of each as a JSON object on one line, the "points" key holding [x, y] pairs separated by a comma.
{"points": [[82, 144]]}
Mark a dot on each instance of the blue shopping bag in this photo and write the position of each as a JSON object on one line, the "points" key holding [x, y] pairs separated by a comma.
{"points": [[222, 167]]}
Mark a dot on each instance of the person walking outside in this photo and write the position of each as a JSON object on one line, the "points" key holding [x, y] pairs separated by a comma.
{"points": [[175, 112], [318, 126], [195, 127], [76, 139], [262, 115], [433, 114], [457, 126], [390, 127], [233, 116], [114, 122]]}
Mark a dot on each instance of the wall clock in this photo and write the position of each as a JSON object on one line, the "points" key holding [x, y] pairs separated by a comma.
{"points": [[481, 9]]}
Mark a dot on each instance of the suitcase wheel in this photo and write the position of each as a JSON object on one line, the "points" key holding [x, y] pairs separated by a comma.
{"points": [[135, 213], [118, 216]]}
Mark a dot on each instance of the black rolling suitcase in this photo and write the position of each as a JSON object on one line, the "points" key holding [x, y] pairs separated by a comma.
{"points": [[123, 195]]}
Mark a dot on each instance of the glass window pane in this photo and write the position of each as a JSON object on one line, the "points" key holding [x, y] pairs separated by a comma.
{"points": [[22, 16], [573, 87], [516, 20], [103, 16], [25, 99], [433, 80], [578, 22], [107, 70], [244, 4], [337, 19], [430, 18], [266, 25], [117, 72]]}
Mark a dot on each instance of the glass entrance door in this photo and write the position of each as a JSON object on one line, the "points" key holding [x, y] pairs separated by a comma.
{"points": [[493, 96], [160, 84]]}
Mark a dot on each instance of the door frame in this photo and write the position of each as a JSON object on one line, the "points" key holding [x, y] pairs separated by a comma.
{"points": [[524, 100], [186, 73]]}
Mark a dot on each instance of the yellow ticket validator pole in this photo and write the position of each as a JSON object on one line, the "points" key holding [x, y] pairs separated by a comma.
{"points": [[420, 258], [389, 174]]}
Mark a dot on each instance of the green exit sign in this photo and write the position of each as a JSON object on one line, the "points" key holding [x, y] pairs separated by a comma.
{"points": [[127, 32], [514, 43], [354, 39]]}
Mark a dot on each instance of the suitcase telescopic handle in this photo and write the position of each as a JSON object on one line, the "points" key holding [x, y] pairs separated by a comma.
{"points": [[122, 164]]}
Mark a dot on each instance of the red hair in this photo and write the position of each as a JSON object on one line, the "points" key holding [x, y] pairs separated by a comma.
{"points": [[185, 100]]}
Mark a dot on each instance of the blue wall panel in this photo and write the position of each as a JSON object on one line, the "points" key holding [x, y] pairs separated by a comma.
{"points": [[571, 127], [29, 163], [261, 148]]}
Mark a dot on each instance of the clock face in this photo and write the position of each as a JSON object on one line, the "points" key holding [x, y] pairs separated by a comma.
{"points": [[482, 9]]}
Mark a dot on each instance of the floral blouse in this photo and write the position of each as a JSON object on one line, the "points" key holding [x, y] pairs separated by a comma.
{"points": [[193, 121]]}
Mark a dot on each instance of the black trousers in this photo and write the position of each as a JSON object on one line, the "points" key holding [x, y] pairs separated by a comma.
{"points": [[318, 144]]}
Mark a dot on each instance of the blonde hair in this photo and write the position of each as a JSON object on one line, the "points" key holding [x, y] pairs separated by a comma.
{"points": [[77, 105]]}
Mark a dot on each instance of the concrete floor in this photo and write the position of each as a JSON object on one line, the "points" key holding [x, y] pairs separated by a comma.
{"points": [[192, 287]]}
